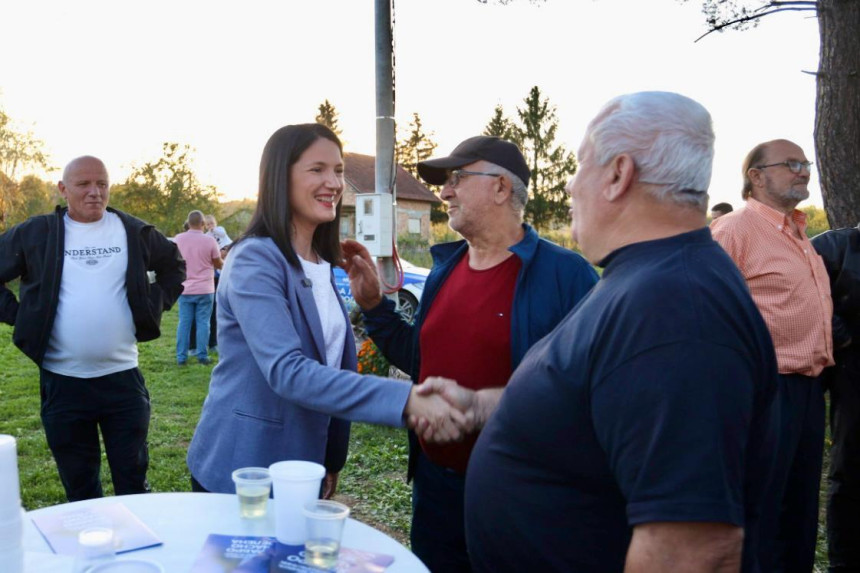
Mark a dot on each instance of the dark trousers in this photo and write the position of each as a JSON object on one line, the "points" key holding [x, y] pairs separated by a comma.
{"points": [[438, 524], [213, 322], [843, 497], [789, 523], [196, 487], [75, 409]]}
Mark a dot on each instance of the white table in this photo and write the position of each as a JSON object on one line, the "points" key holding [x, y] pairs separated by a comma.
{"points": [[184, 520]]}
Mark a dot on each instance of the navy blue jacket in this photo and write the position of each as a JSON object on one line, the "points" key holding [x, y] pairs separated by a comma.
{"points": [[551, 281]]}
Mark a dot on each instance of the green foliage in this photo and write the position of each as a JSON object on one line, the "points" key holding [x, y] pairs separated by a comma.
{"points": [[19, 150], [10, 201], [442, 233], [412, 147], [328, 116], [235, 216], [31, 196], [550, 163], [816, 221], [165, 191], [502, 126], [373, 482], [560, 237], [37, 196], [415, 249], [438, 212], [415, 147]]}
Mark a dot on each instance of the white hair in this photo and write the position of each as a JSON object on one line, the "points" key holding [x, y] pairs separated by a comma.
{"points": [[519, 190], [670, 138]]}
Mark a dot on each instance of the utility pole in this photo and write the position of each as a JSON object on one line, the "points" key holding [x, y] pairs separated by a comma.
{"points": [[385, 166]]}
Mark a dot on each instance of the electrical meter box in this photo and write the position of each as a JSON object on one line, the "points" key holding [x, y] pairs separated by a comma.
{"points": [[374, 223]]}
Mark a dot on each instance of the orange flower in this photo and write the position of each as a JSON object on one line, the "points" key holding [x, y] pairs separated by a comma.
{"points": [[370, 360]]}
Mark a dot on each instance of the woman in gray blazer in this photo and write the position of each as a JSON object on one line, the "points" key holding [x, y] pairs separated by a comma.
{"points": [[285, 384]]}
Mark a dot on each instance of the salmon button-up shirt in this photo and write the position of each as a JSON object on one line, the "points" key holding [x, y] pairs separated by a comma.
{"points": [[787, 280]]}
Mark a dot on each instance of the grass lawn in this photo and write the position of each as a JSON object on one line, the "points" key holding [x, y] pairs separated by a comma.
{"points": [[372, 483]]}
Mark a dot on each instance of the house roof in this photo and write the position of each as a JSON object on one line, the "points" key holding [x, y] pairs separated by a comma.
{"points": [[360, 172]]}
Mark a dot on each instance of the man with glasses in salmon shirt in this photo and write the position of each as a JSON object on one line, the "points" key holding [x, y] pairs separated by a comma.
{"points": [[488, 299], [790, 285]]}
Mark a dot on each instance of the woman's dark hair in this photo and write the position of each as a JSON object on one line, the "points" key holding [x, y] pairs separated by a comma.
{"points": [[273, 217]]}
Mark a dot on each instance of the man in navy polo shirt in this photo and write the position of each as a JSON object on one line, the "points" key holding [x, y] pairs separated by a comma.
{"points": [[639, 434]]}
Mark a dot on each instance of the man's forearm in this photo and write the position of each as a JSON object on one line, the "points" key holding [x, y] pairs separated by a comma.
{"points": [[685, 547], [486, 402]]}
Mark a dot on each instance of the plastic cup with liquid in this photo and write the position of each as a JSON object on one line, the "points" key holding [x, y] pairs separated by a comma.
{"points": [[253, 486], [324, 520]]}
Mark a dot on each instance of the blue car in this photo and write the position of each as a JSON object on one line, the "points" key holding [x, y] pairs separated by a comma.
{"points": [[408, 296]]}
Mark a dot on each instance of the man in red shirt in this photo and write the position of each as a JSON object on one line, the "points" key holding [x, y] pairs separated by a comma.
{"points": [[488, 299]]}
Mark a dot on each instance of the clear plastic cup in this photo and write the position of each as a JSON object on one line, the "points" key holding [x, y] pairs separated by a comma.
{"points": [[324, 520], [253, 486]]}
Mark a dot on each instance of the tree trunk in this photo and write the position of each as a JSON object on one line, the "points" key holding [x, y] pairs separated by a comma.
{"points": [[837, 118]]}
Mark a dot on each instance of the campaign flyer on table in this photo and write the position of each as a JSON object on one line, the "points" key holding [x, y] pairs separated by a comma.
{"points": [[60, 530], [251, 554]]}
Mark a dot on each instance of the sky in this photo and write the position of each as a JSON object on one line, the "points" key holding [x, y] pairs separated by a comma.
{"points": [[116, 79]]}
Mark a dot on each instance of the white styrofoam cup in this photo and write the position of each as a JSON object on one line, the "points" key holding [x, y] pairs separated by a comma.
{"points": [[295, 483]]}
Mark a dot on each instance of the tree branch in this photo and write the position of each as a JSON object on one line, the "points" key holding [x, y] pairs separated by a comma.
{"points": [[777, 3], [762, 12]]}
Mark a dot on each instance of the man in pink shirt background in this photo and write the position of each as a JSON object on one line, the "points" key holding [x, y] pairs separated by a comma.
{"points": [[202, 256]]}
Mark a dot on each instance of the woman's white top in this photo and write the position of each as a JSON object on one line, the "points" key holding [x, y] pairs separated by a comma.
{"points": [[328, 307]]}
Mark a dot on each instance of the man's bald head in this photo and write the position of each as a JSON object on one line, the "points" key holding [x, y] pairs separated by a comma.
{"points": [[84, 159], [86, 188]]}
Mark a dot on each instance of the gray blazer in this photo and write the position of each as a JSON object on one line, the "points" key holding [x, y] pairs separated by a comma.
{"points": [[271, 396]]}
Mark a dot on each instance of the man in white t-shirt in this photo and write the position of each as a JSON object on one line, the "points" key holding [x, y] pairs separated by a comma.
{"points": [[217, 232], [202, 257], [86, 299]]}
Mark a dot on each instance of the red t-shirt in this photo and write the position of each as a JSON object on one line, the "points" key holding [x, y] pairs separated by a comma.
{"points": [[466, 336]]}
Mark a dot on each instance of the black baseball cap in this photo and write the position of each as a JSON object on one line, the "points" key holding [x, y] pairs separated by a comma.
{"points": [[493, 149]]}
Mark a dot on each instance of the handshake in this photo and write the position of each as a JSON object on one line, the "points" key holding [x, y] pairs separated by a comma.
{"points": [[440, 411]]}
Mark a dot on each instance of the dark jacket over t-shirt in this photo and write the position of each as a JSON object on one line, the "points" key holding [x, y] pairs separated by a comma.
{"points": [[653, 400], [33, 251], [550, 282]]}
